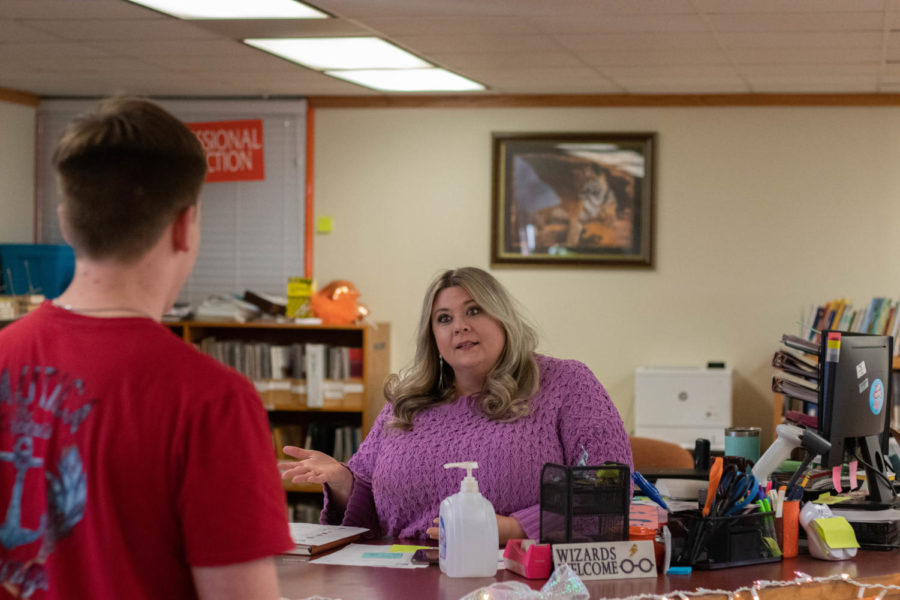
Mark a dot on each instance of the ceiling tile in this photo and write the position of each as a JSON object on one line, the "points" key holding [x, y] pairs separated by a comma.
{"points": [[544, 74], [606, 7], [671, 73], [504, 59], [812, 56], [812, 87], [804, 39], [797, 22], [171, 49], [638, 41], [645, 86], [269, 28], [654, 57], [14, 31], [818, 72], [424, 45], [602, 23], [123, 29], [574, 87], [77, 66], [450, 25], [74, 9], [53, 49], [413, 8], [792, 6], [259, 61]]}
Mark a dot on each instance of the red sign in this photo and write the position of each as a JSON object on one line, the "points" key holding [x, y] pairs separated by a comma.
{"points": [[234, 149]]}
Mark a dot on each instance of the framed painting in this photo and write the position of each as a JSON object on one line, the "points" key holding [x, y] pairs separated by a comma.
{"points": [[573, 199]]}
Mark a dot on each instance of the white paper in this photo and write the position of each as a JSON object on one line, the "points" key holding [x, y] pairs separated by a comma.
{"points": [[368, 555], [311, 534]]}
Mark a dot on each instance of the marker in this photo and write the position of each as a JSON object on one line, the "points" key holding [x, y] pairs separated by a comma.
{"points": [[648, 488]]}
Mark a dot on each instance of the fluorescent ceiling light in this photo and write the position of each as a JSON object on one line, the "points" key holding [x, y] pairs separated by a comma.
{"points": [[234, 9], [339, 53], [409, 80]]}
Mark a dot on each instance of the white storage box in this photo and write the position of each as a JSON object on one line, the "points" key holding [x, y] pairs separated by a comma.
{"points": [[681, 404]]}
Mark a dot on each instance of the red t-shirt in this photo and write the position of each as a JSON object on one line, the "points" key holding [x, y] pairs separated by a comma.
{"points": [[126, 457]]}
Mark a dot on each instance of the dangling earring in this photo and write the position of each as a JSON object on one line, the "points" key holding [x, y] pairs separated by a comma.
{"points": [[441, 372]]}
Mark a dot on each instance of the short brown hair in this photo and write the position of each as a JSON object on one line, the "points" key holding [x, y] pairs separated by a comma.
{"points": [[125, 171]]}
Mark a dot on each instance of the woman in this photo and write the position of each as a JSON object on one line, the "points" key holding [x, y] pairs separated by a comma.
{"points": [[476, 391]]}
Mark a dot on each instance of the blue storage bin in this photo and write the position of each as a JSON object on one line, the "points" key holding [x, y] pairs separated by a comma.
{"points": [[36, 269]]}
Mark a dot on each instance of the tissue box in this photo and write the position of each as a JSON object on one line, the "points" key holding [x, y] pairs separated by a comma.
{"points": [[528, 558]]}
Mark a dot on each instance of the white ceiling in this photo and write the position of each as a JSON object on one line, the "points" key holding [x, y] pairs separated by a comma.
{"points": [[99, 47]]}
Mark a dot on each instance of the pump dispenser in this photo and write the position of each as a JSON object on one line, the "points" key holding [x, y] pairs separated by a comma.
{"points": [[468, 530]]}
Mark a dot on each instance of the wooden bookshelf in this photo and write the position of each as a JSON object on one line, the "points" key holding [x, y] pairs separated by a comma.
{"points": [[356, 400]]}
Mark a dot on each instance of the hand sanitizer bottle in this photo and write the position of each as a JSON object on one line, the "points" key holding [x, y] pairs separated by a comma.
{"points": [[469, 542]]}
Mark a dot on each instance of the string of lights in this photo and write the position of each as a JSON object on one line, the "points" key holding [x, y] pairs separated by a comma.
{"points": [[866, 590]]}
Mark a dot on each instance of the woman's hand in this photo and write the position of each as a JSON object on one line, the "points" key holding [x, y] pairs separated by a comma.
{"points": [[313, 466], [507, 529]]}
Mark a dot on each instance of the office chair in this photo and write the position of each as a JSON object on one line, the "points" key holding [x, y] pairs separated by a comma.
{"points": [[650, 454]]}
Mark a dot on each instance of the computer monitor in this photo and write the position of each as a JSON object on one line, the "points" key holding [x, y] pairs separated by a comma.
{"points": [[854, 404]]}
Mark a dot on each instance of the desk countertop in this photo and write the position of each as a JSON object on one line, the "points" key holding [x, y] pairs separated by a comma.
{"points": [[300, 579]]}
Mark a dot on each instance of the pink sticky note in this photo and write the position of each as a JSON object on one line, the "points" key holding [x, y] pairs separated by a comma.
{"points": [[836, 478], [853, 482]]}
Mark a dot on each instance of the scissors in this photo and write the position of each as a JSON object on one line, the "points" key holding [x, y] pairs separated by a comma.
{"points": [[736, 490]]}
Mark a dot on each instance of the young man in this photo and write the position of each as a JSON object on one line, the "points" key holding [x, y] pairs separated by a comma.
{"points": [[131, 465]]}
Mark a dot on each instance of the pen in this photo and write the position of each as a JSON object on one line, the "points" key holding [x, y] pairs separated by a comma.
{"points": [[648, 488], [780, 500]]}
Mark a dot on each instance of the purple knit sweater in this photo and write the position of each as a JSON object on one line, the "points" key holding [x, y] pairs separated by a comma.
{"points": [[399, 479]]}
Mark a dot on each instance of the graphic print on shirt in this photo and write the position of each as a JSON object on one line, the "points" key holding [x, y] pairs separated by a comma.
{"points": [[40, 415]]}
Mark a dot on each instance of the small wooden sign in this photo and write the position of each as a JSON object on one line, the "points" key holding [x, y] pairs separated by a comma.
{"points": [[608, 560]]}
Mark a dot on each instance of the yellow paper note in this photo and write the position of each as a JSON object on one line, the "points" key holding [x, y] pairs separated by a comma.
{"points": [[401, 548], [836, 532], [827, 498]]}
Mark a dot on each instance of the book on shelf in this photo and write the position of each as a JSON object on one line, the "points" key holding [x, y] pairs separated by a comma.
{"points": [[315, 375], [312, 538], [287, 435], [880, 316], [339, 440], [263, 360]]}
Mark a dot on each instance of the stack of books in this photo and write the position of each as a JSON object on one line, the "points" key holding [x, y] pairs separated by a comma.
{"points": [[797, 378]]}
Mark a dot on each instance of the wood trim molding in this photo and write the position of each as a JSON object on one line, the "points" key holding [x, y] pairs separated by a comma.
{"points": [[602, 100], [18, 97]]}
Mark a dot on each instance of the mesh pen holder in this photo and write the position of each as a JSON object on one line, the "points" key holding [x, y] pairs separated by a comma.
{"points": [[585, 504], [720, 542]]}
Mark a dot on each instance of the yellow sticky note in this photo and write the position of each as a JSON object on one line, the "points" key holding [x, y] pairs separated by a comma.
{"points": [[324, 224], [827, 498], [836, 532], [402, 548]]}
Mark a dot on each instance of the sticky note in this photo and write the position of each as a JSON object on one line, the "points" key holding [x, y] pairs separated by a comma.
{"points": [[836, 532], [382, 555], [324, 224], [402, 548], [827, 498]]}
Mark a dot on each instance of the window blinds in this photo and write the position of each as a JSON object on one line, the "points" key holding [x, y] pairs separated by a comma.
{"points": [[252, 230]]}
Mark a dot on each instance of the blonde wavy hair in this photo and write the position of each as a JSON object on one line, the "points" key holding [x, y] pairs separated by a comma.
{"points": [[510, 383]]}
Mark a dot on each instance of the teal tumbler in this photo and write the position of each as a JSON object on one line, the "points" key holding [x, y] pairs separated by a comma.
{"points": [[742, 441]]}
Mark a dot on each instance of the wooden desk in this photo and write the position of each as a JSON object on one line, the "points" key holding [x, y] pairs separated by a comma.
{"points": [[299, 579]]}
